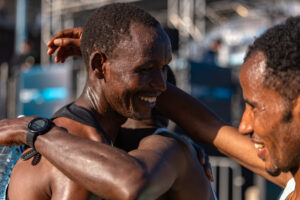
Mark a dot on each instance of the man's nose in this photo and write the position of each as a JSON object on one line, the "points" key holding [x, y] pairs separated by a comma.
{"points": [[246, 126], [159, 81]]}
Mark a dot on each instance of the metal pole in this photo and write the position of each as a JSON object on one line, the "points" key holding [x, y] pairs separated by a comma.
{"points": [[46, 30], [21, 29]]}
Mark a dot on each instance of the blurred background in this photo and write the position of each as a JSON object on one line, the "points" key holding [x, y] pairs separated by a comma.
{"points": [[209, 39]]}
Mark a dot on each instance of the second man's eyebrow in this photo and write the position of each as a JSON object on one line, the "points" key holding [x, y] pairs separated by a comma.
{"points": [[251, 103]]}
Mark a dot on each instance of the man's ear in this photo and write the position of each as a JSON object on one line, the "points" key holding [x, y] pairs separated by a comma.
{"points": [[97, 60], [296, 109]]}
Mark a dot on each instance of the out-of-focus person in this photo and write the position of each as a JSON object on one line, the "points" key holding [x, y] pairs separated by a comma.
{"points": [[210, 55]]}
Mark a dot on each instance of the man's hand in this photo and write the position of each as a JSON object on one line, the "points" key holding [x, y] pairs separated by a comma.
{"points": [[13, 131], [202, 158], [204, 161], [66, 43]]}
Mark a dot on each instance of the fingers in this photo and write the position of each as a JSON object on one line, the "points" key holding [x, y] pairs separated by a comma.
{"points": [[201, 155], [65, 48], [67, 33], [58, 55], [208, 170], [51, 50], [200, 152], [204, 161], [62, 55], [66, 43], [63, 41]]}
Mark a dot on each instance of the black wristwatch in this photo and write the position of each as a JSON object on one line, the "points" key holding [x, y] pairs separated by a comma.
{"points": [[36, 127]]}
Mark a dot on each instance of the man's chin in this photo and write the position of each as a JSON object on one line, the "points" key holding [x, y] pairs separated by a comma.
{"points": [[275, 171]]}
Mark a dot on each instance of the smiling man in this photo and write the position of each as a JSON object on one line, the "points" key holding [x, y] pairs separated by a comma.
{"points": [[271, 116], [270, 79], [270, 70], [270, 82], [126, 52]]}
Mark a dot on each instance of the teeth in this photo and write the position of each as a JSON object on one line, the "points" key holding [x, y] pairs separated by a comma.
{"points": [[148, 99], [258, 146]]}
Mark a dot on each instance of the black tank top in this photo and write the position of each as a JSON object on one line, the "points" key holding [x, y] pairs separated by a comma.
{"points": [[81, 115]]}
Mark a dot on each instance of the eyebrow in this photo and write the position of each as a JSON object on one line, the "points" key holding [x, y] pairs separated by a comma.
{"points": [[251, 103], [149, 62]]}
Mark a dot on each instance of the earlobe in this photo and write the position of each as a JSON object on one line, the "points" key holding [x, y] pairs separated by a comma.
{"points": [[97, 60]]}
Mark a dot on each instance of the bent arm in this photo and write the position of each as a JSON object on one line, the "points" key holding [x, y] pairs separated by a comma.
{"points": [[106, 171], [202, 125], [145, 173]]}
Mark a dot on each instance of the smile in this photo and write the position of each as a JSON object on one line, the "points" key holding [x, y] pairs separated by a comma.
{"points": [[150, 100], [258, 146]]}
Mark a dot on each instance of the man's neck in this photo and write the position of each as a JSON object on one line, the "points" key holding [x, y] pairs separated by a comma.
{"points": [[109, 120]]}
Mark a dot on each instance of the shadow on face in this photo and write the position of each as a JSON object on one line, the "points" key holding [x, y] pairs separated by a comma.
{"points": [[135, 75], [275, 138]]}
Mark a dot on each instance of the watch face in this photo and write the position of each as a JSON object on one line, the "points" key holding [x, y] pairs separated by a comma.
{"points": [[39, 125]]}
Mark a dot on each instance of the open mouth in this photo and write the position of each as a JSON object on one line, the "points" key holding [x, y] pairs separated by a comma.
{"points": [[259, 146], [150, 100]]}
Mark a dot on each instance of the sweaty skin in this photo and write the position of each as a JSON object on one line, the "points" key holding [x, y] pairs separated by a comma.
{"points": [[203, 126], [43, 180], [162, 167], [208, 127]]}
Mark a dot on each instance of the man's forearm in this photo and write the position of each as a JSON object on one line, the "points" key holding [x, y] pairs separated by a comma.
{"points": [[106, 171], [200, 123]]}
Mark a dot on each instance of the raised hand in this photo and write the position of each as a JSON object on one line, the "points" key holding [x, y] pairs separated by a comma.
{"points": [[66, 43]]}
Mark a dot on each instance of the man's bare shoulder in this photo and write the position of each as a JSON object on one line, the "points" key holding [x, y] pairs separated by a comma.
{"points": [[31, 179], [38, 179], [43, 181]]}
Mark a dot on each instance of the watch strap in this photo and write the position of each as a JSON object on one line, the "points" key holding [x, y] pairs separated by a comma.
{"points": [[30, 139], [29, 154]]}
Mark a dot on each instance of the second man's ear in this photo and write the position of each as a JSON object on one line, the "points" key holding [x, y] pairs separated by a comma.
{"points": [[96, 63]]}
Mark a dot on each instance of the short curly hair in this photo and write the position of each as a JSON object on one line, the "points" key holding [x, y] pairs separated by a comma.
{"points": [[281, 46], [108, 25]]}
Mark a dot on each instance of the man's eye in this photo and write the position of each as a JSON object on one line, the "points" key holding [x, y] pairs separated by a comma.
{"points": [[147, 70], [165, 68]]}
